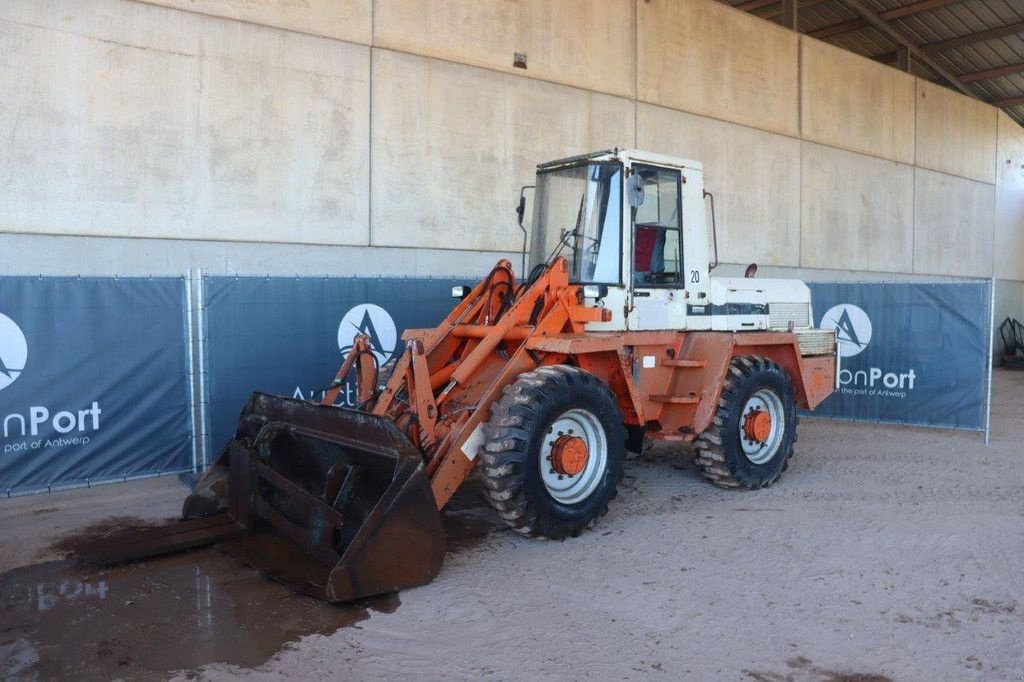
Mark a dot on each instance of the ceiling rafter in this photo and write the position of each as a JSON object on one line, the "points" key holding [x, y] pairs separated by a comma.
{"points": [[1008, 102], [896, 13], [894, 34], [997, 72], [971, 38], [961, 41], [953, 68], [754, 5]]}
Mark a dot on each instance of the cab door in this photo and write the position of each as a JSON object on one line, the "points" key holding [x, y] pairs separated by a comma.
{"points": [[657, 296]]}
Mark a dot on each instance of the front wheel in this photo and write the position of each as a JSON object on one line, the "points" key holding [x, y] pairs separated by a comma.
{"points": [[553, 454], [751, 437]]}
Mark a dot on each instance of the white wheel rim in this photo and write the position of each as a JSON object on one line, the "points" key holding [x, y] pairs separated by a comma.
{"points": [[764, 400], [573, 489]]}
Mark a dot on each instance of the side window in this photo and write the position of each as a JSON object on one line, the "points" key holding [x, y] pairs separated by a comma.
{"points": [[657, 229]]}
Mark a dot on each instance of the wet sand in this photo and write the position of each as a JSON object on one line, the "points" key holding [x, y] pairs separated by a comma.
{"points": [[65, 619], [884, 553]]}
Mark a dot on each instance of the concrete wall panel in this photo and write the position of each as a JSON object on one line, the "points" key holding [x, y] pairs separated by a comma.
{"points": [[258, 135], [955, 133], [953, 225], [453, 144], [140, 257], [706, 58], [1009, 239], [585, 43], [342, 19], [754, 175], [855, 103], [856, 211]]}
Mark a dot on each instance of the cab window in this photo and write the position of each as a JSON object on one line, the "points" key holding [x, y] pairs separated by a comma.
{"points": [[657, 228]]}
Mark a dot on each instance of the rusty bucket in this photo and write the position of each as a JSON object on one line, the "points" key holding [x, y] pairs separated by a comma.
{"points": [[334, 502]]}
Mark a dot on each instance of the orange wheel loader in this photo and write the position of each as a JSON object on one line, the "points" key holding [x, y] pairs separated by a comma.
{"points": [[617, 334]]}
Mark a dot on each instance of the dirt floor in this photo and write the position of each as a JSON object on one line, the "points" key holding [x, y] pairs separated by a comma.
{"points": [[884, 553]]}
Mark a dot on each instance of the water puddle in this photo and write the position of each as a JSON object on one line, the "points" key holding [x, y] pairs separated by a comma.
{"points": [[63, 619]]}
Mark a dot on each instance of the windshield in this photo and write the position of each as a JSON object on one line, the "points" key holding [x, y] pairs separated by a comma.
{"points": [[578, 214]]}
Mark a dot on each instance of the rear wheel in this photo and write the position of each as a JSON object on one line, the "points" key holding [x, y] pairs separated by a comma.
{"points": [[751, 437], [553, 454]]}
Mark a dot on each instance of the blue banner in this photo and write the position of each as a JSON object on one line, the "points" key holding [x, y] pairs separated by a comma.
{"points": [[94, 380], [910, 353], [288, 336]]}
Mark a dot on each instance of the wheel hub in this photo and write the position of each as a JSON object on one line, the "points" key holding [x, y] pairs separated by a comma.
{"points": [[569, 455], [573, 456], [762, 425], [758, 425]]}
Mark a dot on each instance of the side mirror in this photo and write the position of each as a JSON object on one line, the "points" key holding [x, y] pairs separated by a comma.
{"points": [[635, 190]]}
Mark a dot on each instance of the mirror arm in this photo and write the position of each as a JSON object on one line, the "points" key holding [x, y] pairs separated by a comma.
{"points": [[714, 229], [521, 211]]}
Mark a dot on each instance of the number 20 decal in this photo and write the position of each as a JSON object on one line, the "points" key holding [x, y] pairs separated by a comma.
{"points": [[694, 276]]}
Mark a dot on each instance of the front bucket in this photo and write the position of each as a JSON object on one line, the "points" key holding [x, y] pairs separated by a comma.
{"points": [[344, 492]]}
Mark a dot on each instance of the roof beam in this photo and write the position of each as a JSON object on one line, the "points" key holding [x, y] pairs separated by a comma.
{"points": [[897, 37], [992, 73], [777, 10], [959, 41], [903, 59], [971, 38], [789, 17], [1010, 102], [751, 5], [754, 5], [855, 24]]}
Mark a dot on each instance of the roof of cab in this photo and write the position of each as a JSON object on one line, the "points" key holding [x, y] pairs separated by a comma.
{"points": [[630, 154]]}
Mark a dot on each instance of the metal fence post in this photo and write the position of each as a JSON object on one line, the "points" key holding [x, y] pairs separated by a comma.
{"points": [[991, 342], [190, 332], [203, 394]]}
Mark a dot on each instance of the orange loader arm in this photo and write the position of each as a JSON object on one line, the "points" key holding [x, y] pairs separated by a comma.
{"points": [[445, 381]]}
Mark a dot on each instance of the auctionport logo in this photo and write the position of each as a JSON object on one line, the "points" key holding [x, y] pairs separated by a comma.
{"points": [[854, 332], [38, 427], [13, 351], [376, 323], [852, 325]]}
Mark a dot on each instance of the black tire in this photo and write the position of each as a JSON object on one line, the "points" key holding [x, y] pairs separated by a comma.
{"points": [[720, 453], [520, 421]]}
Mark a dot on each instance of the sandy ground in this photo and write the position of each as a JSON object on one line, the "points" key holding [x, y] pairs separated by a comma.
{"points": [[884, 553]]}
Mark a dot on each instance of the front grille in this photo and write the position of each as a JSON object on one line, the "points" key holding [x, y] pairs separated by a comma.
{"points": [[781, 314], [817, 342]]}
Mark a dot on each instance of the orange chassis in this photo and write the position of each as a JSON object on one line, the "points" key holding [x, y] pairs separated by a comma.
{"points": [[442, 387]]}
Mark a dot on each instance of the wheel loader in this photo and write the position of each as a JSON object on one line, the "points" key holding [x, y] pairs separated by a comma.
{"points": [[617, 333]]}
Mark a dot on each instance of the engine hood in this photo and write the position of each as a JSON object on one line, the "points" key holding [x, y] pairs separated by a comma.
{"points": [[754, 290]]}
